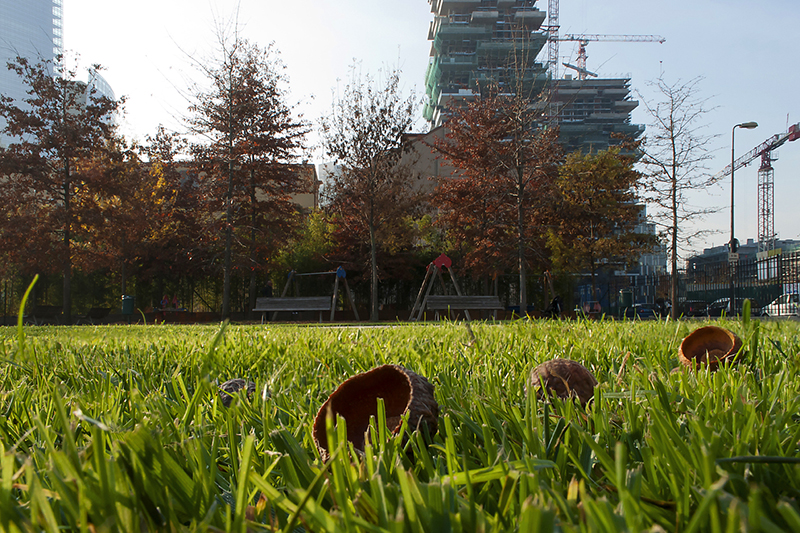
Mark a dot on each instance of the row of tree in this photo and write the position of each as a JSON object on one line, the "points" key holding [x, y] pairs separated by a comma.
{"points": [[76, 195], [512, 202]]}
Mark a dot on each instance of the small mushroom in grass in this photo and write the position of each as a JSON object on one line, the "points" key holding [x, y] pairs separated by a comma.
{"points": [[709, 346], [564, 378], [356, 400], [232, 386]]}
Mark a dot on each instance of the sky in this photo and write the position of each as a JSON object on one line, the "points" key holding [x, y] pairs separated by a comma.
{"points": [[744, 51]]}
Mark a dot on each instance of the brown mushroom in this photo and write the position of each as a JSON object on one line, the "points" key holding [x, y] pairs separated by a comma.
{"points": [[564, 378], [356, 400], [232, 386], [709, 346]]}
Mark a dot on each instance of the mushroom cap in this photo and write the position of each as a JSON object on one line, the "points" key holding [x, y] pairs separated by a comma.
{"points": [[356, 400], [232, 386], [565, 378], [709, 346]]}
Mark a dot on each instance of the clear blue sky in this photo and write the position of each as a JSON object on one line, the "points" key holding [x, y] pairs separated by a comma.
{"points": [[744, 50]]}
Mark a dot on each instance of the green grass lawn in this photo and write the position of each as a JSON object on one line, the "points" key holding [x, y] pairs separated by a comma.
{"points": [[121, 429]]}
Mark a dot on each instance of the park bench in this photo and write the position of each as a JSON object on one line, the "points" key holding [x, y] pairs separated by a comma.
{"points": [[95, 313], [42, 314], [443, 303], [295, 303]]}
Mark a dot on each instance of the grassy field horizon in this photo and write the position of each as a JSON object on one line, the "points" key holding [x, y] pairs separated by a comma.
{"points": [[121, 428]]}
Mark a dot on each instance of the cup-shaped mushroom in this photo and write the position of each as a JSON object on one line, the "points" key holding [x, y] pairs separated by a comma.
{"points": [[564, 378], [356, 400], [709, 346]]}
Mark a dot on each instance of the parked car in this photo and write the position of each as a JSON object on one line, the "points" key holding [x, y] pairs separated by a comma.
{"points": [[647, 310], [643, 311], [722, 307], [694, 308], [784, 305]]}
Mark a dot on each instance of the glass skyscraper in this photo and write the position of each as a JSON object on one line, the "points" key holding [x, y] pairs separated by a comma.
{"points": [[31, 29]]}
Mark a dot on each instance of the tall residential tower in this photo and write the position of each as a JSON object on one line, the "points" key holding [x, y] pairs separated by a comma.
{"points": [[481, 42], [478, 42]]}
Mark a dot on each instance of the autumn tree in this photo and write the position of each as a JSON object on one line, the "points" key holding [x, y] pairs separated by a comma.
{"points": [[506, 159], [60, 123], [145, 219], [177, 236], [372, 195], [114, 217], [595, 212], [474, 223], [675, 155], [252, 141], [307, 250]]}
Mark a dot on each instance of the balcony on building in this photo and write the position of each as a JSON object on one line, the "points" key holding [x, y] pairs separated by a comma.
{"points": [[448, 96], [532, 19], [447, 32], [484, 17], [625, 106], [443, 7], [456, 62]]}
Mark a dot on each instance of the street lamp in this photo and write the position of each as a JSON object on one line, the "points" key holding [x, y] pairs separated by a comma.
{"points": [[733, 246]]}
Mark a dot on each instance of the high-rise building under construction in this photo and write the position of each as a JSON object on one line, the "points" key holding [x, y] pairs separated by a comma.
{"points": [[476, 43]]}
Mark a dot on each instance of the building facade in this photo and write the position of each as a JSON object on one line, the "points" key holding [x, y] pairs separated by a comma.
{"points": [[593, 113], [477, 43], [30, 29]]}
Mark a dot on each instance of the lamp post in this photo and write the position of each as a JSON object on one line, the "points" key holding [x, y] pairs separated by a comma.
{"points": [[732, 246]]}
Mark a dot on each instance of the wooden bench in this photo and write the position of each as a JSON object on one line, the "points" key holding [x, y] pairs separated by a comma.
{"points": [[296, 303], [95, 313], [44, 313], [443, 303]]}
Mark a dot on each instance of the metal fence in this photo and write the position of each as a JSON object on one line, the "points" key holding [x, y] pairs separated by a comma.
{"points": [[762, 279]]}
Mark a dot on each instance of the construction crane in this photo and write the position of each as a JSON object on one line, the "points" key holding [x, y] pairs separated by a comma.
{"points": [[553, 39], [766, 182], [584, 39]]}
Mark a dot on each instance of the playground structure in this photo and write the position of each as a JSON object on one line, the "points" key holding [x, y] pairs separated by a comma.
{"points": [[307, 303], [448, 302]]}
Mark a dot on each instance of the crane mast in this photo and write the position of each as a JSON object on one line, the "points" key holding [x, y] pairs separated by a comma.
{"points": [[766, 201], [552, 37]]}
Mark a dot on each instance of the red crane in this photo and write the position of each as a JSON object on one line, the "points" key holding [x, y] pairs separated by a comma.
{"points": [[584, 39], [766, 182], [553, 39]]}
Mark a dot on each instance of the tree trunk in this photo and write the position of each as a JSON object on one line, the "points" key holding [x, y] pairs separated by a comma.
{"points": [[673, 281], [253, 258], [67, 270], [523, 292], [226, 284], [124, 280], [373, 259]]}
